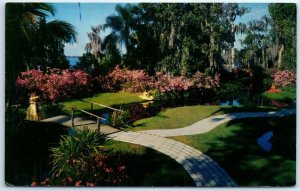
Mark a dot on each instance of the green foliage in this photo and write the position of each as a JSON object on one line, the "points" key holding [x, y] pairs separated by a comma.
{"points": [[81, 146], [284, 16], [189, 40], [290, 89], [231, 90], [88, 63], [280, 96], [118, 119]]}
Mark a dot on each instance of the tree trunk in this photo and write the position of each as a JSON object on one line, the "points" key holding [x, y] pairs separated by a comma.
{"points": [[211, 51], [232, 56], [280, 53]]}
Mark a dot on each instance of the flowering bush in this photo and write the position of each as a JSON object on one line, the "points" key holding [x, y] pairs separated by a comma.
{"points": [[100, 170], [79, 160], [174, 90], [126, 80], [284, 78], [54, 85]]}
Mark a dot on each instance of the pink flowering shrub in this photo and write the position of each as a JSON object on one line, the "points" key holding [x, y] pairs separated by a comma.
{"points": [[284, 78], [54, 85], [126, 80], [174, 90], [100, 170], [165, 83]]}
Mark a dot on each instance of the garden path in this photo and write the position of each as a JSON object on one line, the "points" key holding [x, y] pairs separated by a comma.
{"points": [[205, 125], [203, 170]]}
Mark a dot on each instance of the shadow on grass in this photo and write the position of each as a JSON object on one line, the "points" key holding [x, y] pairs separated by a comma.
{"points": [[247, 163], [238, 109], [27, 154], [151, 168]]}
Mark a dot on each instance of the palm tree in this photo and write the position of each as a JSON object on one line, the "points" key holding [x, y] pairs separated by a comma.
{"points": [[121, 23], [48, 45], [21, 19]]}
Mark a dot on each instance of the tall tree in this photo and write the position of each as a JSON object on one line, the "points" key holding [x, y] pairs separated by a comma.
{"points": [[20, 20], [284, 16], [47, 48], [121, 24], [94, 46]]}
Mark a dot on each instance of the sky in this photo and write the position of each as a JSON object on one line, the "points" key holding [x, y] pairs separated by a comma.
{"points": [[93, 14]]}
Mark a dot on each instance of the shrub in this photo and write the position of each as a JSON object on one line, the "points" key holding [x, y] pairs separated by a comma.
{"points": [[284, 78], [180, 90], [118, 119], [126, 80], [54, 85], [79, 160]]}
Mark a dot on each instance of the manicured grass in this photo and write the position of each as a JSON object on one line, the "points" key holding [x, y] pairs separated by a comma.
{"points": [[147, 167], [233, 145], [109, 99], [280, 96], [183, 116]]}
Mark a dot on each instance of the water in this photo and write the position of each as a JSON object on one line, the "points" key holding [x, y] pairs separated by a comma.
{"points": [[263, 141], [72, 60]]}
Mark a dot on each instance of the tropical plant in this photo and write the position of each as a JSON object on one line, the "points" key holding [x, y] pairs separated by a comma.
{"points": [[78, 148], [121, 24], [20, 20], [118, 119], [79, 160], [47, 45], [31, 41]]}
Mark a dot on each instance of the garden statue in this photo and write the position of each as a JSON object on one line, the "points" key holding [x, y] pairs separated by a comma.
{"points": [[34, 111]]}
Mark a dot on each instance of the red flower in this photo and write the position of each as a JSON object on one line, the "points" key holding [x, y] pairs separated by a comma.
{"points": [[33, 184], [78, 183], [122, 168], [90, 184]]}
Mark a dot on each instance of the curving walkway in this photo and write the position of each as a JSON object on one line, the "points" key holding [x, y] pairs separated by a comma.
{"points": [[206, 125], [203, 170]]}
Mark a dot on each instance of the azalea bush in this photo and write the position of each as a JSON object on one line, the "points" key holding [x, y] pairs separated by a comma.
{"points": [[283, 78], [139, 81], [126, 80], [180, 90], [54, 85]]}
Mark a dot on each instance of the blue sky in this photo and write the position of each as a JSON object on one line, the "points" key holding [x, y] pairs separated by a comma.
{"points": [[93, 14]]}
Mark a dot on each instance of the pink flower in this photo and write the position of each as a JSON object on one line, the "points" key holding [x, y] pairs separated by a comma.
{"points": [[90, 184], [78, 183], [33, 184], [122, 168]]}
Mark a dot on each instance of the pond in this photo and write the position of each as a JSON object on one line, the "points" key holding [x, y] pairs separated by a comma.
{"points": [[264, 141]]}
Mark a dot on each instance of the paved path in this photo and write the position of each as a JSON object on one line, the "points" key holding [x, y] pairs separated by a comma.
{"points": [[203, 170], [79, 122], [210, 123]]}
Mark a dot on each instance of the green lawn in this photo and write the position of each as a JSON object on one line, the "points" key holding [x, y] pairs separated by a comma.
{"points": [[109, 99], [147, 167], [233, 145], [183, 116]]}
